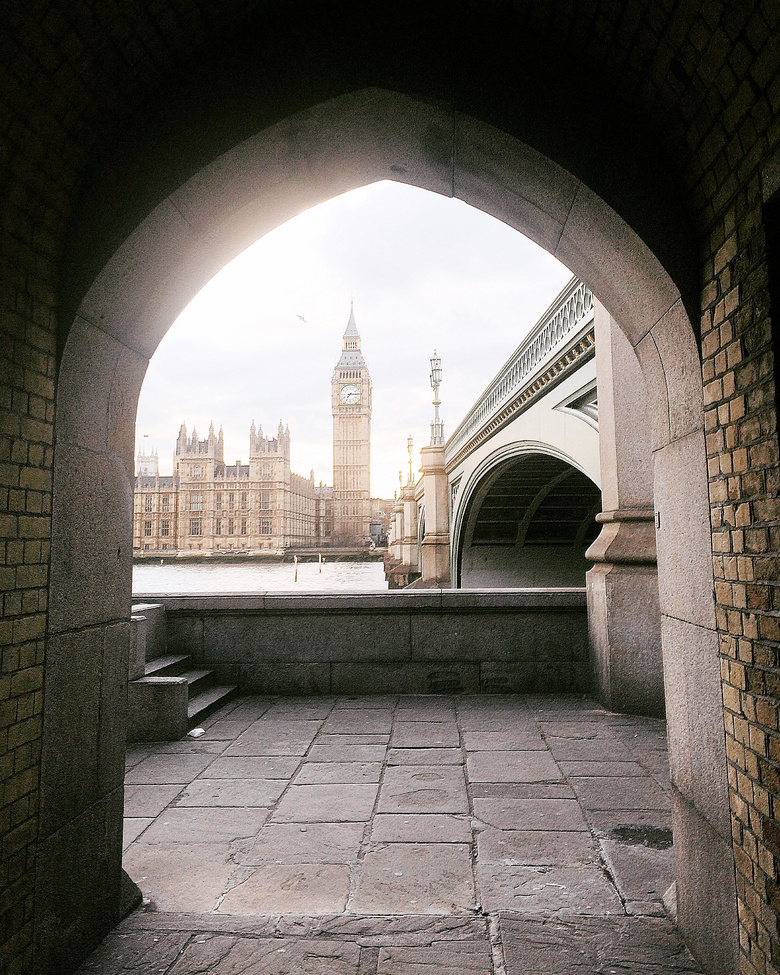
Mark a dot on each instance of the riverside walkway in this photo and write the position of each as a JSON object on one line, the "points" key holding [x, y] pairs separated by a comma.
{"points": [[401, 836]]}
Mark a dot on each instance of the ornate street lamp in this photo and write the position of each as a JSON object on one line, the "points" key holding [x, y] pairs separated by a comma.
{"points": [[437, 427]]}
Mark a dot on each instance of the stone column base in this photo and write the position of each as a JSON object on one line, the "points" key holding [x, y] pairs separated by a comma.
{"points": [[624, 616]]}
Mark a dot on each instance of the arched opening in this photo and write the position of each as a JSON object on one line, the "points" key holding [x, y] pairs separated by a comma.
{"points": [[166, 257], [528, 525]]}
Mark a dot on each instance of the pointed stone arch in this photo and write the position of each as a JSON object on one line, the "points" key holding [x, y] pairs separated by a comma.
{"points": [[166, 257]]}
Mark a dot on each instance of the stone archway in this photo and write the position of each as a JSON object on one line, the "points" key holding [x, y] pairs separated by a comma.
{"points": [[164, 260]]}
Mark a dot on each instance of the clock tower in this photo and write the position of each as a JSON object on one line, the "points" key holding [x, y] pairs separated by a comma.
{"points": [[351, 405]]}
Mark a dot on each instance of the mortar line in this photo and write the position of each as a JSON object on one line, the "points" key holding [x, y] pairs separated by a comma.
{"points": [[473, 851], [363, 848]]}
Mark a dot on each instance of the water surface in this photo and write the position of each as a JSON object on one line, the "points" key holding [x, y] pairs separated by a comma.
{"points": [[218, 577]]}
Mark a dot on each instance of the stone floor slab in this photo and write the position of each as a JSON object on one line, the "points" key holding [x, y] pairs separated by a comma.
{"points": [[547, 890], [604, 822], [513, 766], [136, 954], [230, 955], [359, 722], [252, 767], [495, 741], [619, 793], [312, 773], [242, 793], [425, 756], [346, 753], [588, 945], [168, 769], [417, 734], [351, 739], [442, 958], [289, 888], [204, 826], [521, 790], [641, 873], [309, 843], [416, 828], [257, 747], [132, 829], [515, 847], [588, 750], [326, 804], [225, 730], [181, 876], [531, 814], [423, 788], [603, 769], [149, 800], [416, 878]]}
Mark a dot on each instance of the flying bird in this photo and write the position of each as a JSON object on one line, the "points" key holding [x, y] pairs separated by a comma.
{"points": [[303, 319]]}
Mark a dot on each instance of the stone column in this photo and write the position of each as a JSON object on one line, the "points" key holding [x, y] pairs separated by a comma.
{"points": [[624, 618], [436, 542], [409, 540]]}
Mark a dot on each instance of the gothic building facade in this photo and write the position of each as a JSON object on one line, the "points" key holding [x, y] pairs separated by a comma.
{"points": [[208, 506]]}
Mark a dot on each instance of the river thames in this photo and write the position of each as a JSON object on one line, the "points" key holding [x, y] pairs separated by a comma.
{"points": [[219, 577]]}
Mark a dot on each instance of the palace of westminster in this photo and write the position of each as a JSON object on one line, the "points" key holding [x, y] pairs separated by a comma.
{"points": [[208, 507]]}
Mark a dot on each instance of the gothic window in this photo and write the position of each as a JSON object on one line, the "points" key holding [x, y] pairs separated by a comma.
{"points": [[196, 471], [218, 529], [166, 502], [243, 500], [265, 526], [165, 529], [147, 528], [230, 526], [219, 501], [230, 501], [265, 499], [196, 502], [148, 503], [243, 526], [195, 526]]}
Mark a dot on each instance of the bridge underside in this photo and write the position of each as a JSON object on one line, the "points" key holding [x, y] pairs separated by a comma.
{"points": [[530, 524]]}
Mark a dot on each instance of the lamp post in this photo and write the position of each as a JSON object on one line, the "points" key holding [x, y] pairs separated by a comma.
{"points": [[437, 427], [409, 443]]}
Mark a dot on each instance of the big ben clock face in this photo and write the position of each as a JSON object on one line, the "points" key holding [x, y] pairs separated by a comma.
{"points": [[349, 394]]}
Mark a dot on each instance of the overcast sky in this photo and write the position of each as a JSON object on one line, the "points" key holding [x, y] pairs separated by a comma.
{"points": [[261, 340]]}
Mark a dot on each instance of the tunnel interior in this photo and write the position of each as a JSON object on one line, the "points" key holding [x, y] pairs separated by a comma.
{"points": [[529, 524]]}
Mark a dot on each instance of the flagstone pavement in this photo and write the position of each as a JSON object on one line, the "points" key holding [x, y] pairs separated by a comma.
{"points": [[400, 836]]}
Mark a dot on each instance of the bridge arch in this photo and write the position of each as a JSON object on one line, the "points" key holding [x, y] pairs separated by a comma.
{"points": [[163, 259], [501, 536]]}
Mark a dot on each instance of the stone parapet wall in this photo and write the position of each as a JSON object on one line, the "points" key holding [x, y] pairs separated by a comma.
{"points": [[441, 641]]}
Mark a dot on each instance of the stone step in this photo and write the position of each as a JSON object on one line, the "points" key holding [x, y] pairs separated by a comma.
{"points": [[202, 705], [167, 665], [198, 681]]}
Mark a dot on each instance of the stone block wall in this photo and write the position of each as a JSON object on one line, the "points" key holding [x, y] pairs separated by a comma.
{"points": [[449, 642]]}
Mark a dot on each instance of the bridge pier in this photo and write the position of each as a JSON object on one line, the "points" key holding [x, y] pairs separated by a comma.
{"points": [[624, 617], [436, 540], [401, 565]]}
